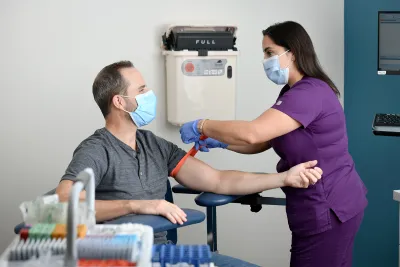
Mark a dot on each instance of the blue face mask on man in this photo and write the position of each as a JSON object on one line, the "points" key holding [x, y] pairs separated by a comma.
{"points": [[146, 109], [273, 70]]}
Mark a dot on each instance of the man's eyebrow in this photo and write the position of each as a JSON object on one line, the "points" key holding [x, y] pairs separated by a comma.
{"points": [[141, 87]]}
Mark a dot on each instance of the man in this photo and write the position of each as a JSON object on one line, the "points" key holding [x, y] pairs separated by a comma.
{"points": [[132, 166]]}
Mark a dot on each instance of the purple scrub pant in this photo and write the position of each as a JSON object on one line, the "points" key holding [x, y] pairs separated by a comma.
{"points": [[332, 248]]}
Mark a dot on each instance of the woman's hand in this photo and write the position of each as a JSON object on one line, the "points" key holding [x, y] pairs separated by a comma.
{"points": [[205, 145], [189, 132], [302, 175]]}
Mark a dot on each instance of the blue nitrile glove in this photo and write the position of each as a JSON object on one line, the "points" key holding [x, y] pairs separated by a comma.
{"points": [[189, 132], [209, 143]]}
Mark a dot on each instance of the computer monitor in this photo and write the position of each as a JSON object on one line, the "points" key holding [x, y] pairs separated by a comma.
{"points": [[389, 42]]}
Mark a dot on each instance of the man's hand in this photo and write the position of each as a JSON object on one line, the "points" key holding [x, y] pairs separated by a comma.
{"points": [[161, 207], [303, 174]]}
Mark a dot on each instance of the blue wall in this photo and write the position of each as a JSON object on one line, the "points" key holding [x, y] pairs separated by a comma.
{"points": [[377, 158]]}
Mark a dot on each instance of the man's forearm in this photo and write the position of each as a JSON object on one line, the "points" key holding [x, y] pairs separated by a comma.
{"points": [[243, 183], [111, 209], [107, 209]]}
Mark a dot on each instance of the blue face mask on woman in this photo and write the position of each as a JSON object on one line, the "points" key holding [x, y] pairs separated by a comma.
{"points": [[146, 109], [273, 70]]}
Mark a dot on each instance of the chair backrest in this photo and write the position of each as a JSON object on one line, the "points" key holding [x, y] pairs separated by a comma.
{"points": [[172, 235]]}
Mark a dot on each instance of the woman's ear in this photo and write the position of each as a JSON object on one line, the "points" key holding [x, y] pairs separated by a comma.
{"points": [[293, 57]]}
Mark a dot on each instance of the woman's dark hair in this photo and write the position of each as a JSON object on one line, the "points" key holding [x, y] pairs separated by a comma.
{"points": [[294, 37]]}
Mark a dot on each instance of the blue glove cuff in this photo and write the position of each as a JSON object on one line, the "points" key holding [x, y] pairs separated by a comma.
{"points": [[194, 127], [224, 146]]}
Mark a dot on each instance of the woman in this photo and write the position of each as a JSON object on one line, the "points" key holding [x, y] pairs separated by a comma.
{"points": [[307, 122]]}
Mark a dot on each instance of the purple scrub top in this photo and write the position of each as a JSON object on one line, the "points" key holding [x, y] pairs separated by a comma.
{"points": [[323, 136]]}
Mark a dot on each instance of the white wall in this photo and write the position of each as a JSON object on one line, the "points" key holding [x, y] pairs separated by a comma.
{"points": [[50, 52]]}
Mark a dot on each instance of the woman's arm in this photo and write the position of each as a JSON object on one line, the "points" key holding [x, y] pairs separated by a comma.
{"points": [[250, 149], [269, 125], [300, 106]]}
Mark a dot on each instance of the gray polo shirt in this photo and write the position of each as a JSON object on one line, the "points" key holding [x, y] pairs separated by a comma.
{"points": [[123, 173]]}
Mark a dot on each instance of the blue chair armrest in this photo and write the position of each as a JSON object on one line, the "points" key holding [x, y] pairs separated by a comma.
{"points": [[158, 223], [206, 199], [180, 189]]}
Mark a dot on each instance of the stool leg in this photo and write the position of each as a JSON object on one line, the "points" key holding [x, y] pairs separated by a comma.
{"points": [[212, 228]]}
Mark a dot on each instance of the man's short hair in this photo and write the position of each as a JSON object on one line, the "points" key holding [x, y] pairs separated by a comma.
{"points": [[108, 83]]}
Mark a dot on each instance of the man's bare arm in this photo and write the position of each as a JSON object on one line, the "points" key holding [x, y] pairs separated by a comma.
{"points": [[105, 209], [111, 209], [198, 175]]}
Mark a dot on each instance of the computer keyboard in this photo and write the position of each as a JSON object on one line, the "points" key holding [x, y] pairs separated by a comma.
{"points": [[386, 124]]}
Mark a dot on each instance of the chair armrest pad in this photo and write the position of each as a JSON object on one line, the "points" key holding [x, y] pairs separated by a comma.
{"points": [[206, 199], [180, 189], [160, 223]]}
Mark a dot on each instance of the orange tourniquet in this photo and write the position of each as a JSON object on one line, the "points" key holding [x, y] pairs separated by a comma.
{"points": [[192, 152]]}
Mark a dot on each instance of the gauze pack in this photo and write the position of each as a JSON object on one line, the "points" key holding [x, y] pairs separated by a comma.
{"points": [[48, 209]]}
